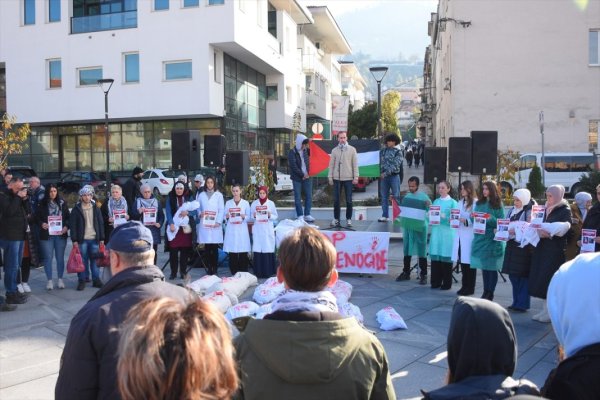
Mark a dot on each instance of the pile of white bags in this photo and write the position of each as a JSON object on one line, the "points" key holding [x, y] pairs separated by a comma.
{"points": [[341, 290], [221, 299], [243, 309], [201, 285], [268, 291]]}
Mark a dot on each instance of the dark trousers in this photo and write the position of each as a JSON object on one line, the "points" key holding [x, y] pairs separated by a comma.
{"points": [[23, 276], [337, 188], [178, 258], [441, 275], [469, 275], [422, 265], [155, 247], [490, 279], [520, 291], [211, 257], [238, 262]]}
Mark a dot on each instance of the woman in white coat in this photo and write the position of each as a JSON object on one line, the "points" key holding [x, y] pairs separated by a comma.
{"points": [[462, 242], [237, 237], [263, 234], [209, 230]]}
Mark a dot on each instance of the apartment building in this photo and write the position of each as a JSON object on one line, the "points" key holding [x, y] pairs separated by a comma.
{"points": [[223, 67]]}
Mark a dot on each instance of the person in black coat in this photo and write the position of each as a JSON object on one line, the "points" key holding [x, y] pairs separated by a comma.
{"points": [[592, 219], [131, 188], [143, 208], [549, 254], [88, 365]]}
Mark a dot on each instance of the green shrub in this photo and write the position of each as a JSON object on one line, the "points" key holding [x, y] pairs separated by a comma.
{"points": [[535, 185]]}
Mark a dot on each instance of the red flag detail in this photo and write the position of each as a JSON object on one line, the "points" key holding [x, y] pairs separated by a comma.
{"points": [[395, 209], [319, 159]]}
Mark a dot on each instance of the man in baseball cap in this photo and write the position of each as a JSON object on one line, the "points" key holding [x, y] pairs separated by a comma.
{"points": [[89, 360]]}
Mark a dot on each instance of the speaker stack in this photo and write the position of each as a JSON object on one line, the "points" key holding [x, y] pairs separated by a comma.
{"points": [[185, 149], [214, 148], [484, 152], [237, 164], [459, 154], [435, 164]]}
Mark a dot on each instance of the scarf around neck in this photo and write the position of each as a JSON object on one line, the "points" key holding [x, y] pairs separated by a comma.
{"points": [[266, 190], [147, 203], [294, 301], [113, 204], [209, 193], [53, 208]]}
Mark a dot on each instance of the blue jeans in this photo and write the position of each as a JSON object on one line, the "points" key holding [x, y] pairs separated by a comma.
{"points": [[337, 187], [87, 248], [520, 290], [13, 254], [387, 183], [303, 186], [56, 245], [490, 279]]}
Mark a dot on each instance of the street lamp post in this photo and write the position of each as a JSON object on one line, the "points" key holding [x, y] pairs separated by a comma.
{"points": [[105, 85], [379, 73], [543, 166]]}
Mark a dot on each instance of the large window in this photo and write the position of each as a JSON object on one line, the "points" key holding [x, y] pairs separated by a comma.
{"points": [[593, 136], [53, 10], [272, 20], [28, 12], [89, 76], [272, 92], [96, 15], [178, 70], [54, 74], [215, 2], [594, 43], [132, 67], [191, 3], [161, 5]]}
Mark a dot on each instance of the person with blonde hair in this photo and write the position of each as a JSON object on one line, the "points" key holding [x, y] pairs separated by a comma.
{"points": [[173, 350], [304, 349], [115, 210]]}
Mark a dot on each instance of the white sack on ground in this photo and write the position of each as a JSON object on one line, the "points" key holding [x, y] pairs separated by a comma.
{"points": [[389, 319]]}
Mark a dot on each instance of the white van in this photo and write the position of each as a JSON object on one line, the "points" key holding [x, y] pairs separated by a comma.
{"points": [[559, 168]]}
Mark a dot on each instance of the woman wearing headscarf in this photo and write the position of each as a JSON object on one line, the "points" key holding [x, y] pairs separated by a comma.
{"points": [[143, 210], [579, 208], [461, 251], [209, 228], [263, 234], [592, 218], [549, 254], [517, 259], [180, 247], [114, 211], [482, 354], [573, 299]]}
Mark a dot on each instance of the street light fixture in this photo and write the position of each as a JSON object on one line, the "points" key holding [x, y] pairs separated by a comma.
{"points": [[105, 85], [379, 73]]}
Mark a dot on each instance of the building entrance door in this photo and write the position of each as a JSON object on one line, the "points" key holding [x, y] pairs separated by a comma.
{"points": [[75, 153]]}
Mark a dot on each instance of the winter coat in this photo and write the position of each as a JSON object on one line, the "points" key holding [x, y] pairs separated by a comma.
{"points": [[36, 197], [108, 226], [441, 240], [592, 221], [308, 359], [484, 387], [574, 233], [181, 240], [549, 254], [77, 224], [517, 259], [391, 162], [88, 365], [486, 253], [160, 218], [343, 164], [131, 191], [295, 161], [464, 236], [41, 217], [13, 216], [575, 377]]}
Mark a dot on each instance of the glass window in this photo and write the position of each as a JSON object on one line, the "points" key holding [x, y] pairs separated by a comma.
{"points": [[272, 92], [54, 74], [594, 44], [593, 135], [178, 70], [89, 76], [272, 20], [53, 10], [161, 4], [527, 162], [29, 12], [132, 67], [191, 3], [214, 2]]}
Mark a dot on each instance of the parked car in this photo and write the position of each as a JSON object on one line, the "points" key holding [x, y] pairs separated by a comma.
{"points": [[23, 172], [73, 181], [50, 177], [161, 180], [284, 183]]}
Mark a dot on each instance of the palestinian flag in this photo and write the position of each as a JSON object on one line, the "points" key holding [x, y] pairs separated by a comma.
{"points": [[367, 150], [413, 211]]}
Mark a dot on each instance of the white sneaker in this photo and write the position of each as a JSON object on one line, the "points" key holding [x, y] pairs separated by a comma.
{"points": [[335, 222], [61, 284], [309, 218], [20, 288], [383, 219], [349, 222], [49, 285], [26, 287]]}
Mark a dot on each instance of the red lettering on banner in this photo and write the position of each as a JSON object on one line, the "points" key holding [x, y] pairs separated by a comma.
{"points": [[337, 237], [376, 261]]}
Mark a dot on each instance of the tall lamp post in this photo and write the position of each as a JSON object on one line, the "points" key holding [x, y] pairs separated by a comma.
{"points": [[379, 73], [105, 85]]}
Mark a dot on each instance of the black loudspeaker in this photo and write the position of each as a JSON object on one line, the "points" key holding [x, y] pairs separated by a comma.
{"points": [[484, 152], [237, 164], [185, 149], [214, 148], [435, 164], [459, 154]]}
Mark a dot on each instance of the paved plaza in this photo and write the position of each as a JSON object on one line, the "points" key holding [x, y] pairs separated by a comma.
{"points": [[33, 336]]}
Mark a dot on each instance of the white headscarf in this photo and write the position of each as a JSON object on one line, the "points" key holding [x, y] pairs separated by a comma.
{"points": [[581, 199], [524, 195]]}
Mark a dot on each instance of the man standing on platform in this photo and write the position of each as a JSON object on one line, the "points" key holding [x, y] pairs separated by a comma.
{"points": [[343, 172], [392, 173], [414, 229], [298, 161]]}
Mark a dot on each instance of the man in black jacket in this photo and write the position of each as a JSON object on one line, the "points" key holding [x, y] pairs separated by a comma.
{"points": [[88, 366], [131, 188], [14, 208], [298, 161]]}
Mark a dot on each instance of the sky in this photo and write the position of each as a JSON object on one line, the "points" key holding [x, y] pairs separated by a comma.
{"points": [[382, 29]]}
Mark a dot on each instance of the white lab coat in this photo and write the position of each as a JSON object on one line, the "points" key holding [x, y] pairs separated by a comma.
{"points": [[214, 234], [263, 233], [237, 237], [465, 234]]}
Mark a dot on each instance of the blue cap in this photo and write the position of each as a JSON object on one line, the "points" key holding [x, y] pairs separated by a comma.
{"points": [[131, 237]]}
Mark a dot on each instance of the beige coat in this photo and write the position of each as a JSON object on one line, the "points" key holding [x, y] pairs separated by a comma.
{"points": [[343, 164]]}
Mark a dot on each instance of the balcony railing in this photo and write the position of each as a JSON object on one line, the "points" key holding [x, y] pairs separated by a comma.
{"points": [[104, 22]]}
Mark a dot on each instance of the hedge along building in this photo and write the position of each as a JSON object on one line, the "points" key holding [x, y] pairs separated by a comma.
{"points": [[223, 67]]}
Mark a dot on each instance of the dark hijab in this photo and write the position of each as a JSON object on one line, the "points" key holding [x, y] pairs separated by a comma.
{"points": [[481, 340]]}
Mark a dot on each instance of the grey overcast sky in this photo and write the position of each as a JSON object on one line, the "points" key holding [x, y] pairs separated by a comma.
{"points": [[382, 29]]}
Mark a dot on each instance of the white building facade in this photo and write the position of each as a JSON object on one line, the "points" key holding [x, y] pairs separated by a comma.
{"points": [[494, 65], [223, 67]]}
